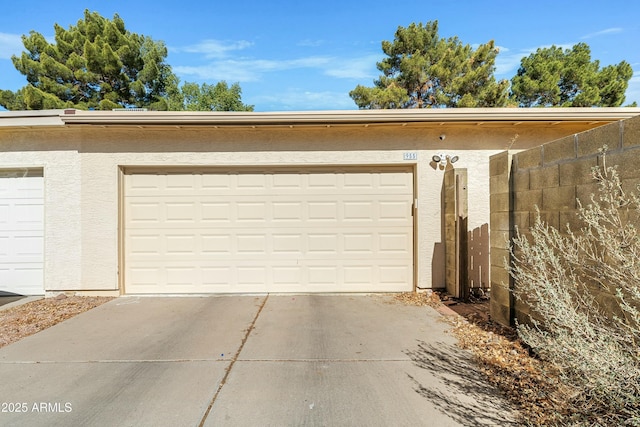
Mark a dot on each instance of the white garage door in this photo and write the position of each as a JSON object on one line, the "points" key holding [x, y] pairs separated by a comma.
{"points": [[21, 232], [274, 230]]}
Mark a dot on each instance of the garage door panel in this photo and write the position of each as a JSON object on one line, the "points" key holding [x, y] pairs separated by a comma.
{"points": [[288, 244], [220, 277], [287, 211], [146, 184], [322, 211], [391, 244], [23, 279], [181, 244], [279, 231], [17, 214], [216, 244], [364, 210], [20, 248], [21, 231], [180, 182], [141, 212], [251, 276], [394, 275], [254, 276], [219, 213], [292, 243], [288, 182], [139, 245], [394, 210], [27, 247], [249, 182], [280, 211], [323, 244], [289, 276], [251, 212], [359, 244], [251, 244], [181, 212], [358, 275]]}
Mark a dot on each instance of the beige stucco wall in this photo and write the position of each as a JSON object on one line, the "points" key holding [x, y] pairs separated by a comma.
{"points": [[61, 163], [82, 166]]}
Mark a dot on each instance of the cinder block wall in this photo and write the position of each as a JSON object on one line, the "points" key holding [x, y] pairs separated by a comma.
{"points": [[501, 227], [550, 177]]}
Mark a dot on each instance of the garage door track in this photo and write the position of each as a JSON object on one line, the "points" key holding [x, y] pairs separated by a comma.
{"points": [[287, 360]]}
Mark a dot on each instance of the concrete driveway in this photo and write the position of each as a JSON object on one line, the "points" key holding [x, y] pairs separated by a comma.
{"points": [[297, 360]]}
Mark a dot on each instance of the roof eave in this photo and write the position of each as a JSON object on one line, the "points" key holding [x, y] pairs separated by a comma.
{"points": [[452, 115], [70, 117]]}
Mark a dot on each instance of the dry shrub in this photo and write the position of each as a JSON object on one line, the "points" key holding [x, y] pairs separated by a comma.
{"points": [[583, 290]]}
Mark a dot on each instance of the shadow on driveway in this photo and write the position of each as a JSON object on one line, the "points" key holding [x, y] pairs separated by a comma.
{"points": [[280, 360], [468, 399], [8, 297]]}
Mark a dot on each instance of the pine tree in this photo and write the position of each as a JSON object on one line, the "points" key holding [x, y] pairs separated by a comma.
{"points": [[96, 64], [218, 97], [553, 77], [423, 70]]}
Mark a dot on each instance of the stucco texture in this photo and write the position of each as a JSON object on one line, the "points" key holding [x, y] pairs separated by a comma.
{"points": [[83, 167]]}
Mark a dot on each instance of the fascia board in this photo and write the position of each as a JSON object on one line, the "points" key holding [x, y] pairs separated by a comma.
{"points": [[467, 115], [30, 118], [313, 118]]}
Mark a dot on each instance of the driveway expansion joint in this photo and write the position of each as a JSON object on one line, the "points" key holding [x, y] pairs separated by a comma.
{"points": [[233, 361], [333, 360], [71, 362]]}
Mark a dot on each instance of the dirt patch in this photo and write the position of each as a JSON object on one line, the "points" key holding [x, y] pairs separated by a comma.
{"points": [[27, 319]]}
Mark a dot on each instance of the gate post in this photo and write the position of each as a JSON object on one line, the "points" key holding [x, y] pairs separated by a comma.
{"points": [[455, 245]]}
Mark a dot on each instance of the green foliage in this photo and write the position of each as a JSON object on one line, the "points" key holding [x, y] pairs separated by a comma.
{"points": [[423, 70], [96, 64], [218, 97], [583, 290], [553, 77]]}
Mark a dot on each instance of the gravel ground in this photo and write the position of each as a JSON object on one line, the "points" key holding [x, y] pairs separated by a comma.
{"points": [[27, 319]]}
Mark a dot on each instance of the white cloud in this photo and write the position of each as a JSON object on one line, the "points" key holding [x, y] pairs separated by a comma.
{"points": [[363, 67], [310, 43], [221, 70], [249, 70], [614, 30], [10, 44], [299, 100], [214, 48], [222, 62], [507, 62]]}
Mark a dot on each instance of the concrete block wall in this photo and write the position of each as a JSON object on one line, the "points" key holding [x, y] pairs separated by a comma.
{"points": [[500, 224], [550, 178]]}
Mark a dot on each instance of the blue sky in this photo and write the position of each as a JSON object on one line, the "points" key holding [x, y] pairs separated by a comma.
{"points": [[298, 55]]}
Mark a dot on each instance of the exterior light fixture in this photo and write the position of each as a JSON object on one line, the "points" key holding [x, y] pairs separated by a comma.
{"points": [[444, 159]]}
